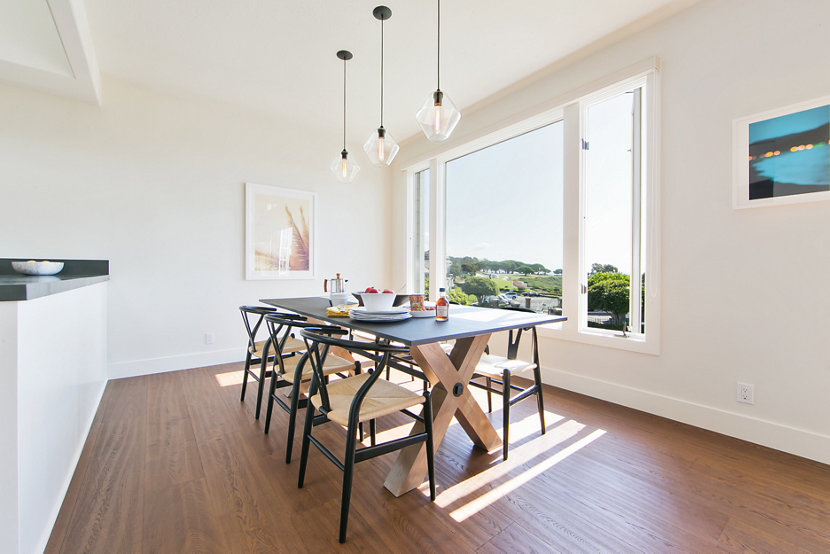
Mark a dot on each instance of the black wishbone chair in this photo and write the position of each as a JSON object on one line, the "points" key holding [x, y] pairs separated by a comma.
{"points": [[499, 370], [259, 352], [350, 401], [298, 374]]}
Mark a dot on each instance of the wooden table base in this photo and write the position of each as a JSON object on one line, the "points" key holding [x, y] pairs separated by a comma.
{"points": [[451, 397]]}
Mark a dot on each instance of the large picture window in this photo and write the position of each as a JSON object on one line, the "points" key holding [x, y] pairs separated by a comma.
{"points": [[557, 213], [504, 223]]}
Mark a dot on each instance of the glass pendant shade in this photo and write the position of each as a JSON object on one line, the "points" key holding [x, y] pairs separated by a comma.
{"points": [[381, 147], [344, 169], [438, 117]]}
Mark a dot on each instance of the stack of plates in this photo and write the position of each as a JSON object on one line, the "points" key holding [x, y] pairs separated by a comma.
{"points": [[395, 314]]}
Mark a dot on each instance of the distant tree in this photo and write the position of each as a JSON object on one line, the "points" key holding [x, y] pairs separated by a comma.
{"points": [[525, 269], [603, 268], [557, 271], [480, 287], [470, 268], [609, 292], [539, 268], [459, 297], [509, 266]]}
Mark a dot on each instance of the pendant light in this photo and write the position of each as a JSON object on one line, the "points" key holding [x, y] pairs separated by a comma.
{"points": [[438, 116], [343, 168], [380, 146]]}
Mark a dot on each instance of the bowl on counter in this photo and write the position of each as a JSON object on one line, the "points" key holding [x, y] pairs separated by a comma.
{"points": [[378, 301], [33, 267]]}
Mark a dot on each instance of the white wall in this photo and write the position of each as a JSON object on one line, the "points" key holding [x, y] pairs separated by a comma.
{"points": [[155, 184], [744, 293]]}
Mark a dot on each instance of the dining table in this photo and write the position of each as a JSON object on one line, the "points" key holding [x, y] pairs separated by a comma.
{"points": [[470, 329]]}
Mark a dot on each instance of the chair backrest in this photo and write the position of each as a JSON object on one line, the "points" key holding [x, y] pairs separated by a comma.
{"points": [[255, 313], [515, 337], [283, 323], [319, 340]]}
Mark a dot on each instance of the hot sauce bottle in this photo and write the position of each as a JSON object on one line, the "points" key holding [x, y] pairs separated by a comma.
{"points": [[442, 306]]}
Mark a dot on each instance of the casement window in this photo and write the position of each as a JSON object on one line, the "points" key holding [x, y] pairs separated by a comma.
{"points": [[557, 213]]}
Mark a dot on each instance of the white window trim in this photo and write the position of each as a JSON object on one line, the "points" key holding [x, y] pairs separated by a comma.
{"points": [[567, 111], [410, 224]]}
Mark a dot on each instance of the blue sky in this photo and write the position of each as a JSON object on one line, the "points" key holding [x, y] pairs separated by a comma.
{"points": [[505, 201]]}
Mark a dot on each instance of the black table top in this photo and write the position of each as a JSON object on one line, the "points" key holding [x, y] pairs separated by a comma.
{"points": [[464, 321]]}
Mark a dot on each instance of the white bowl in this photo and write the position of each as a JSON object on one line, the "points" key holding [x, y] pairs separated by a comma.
{"points": [[378, 301], [37, 268]]}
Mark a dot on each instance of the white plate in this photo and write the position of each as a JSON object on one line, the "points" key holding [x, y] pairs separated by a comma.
{"points": [[362, 311], [423, 313], [380, 318]]}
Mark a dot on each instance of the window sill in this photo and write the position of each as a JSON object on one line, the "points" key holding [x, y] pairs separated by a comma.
{"points": [[606, 340]]}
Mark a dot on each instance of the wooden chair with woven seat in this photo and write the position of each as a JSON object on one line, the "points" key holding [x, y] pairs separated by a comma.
{"points": [[259, 351], [363, 397], [500, 370], [299, 375]]}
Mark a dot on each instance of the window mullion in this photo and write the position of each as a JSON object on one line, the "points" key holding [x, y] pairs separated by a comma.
{"points": [[635, 314], [438, 225]]}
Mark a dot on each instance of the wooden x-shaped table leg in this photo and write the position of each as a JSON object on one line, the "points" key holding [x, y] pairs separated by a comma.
{"points": [[450, 397]]}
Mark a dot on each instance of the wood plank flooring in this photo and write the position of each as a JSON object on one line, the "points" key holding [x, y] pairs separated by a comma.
{"points": [[174, 462]]}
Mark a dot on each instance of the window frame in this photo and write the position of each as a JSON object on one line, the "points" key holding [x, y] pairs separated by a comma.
{"points": [[568, 109]]}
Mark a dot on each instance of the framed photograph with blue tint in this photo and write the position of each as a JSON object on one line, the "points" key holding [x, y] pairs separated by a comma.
{"points": [[783, 156]]}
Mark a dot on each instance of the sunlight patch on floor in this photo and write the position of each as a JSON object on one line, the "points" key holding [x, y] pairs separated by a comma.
{"points": [[529, 426], [507, 487], [537, 469], [519, 455], [230, 378]]}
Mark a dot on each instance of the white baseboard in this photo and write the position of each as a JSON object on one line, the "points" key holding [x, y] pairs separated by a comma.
{"points": [[53, 515], [800, 442], [134, 368]]}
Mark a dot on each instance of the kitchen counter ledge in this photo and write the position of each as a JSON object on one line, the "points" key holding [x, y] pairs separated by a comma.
{"points": [[75, 274]]}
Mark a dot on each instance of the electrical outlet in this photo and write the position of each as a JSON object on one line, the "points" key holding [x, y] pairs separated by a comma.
{"points": [[210, 338], [746, 393]]}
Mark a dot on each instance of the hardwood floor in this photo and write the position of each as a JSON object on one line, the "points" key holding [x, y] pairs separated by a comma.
{"points": [[175, 463]]}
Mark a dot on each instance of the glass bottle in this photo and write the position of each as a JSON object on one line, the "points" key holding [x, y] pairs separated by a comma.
{"points": [[442, 306]]}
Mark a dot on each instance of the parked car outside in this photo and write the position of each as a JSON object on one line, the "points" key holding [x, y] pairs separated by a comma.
{"points": [[530, 293]]}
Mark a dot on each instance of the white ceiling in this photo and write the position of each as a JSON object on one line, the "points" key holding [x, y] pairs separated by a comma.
{"points": [[279, 56]]}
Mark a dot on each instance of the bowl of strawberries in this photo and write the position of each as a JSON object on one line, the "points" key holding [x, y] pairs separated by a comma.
{"points": [[379, 300]]}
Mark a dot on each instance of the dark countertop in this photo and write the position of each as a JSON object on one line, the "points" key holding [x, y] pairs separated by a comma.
{"points": [[75, 274]]}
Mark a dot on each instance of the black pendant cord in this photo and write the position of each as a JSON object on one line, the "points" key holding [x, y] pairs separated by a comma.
{"points": [[381, 72], [439, 45], [344, 105]]}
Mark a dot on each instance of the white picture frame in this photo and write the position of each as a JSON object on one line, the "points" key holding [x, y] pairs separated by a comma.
{"points": [[280, 233], [779, 156]]}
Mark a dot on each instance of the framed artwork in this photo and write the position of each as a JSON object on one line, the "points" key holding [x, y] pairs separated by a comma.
{"points": [[783, 156], [279, 233]]}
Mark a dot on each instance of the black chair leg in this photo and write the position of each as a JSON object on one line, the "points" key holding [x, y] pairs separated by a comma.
{"points": [[348, 474], [489, 383], [271, 389], [430, 445], [295, 404], [373, 432], [263, 369], [505, 412], [539, 401], [245, 375], [309, 416]]}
